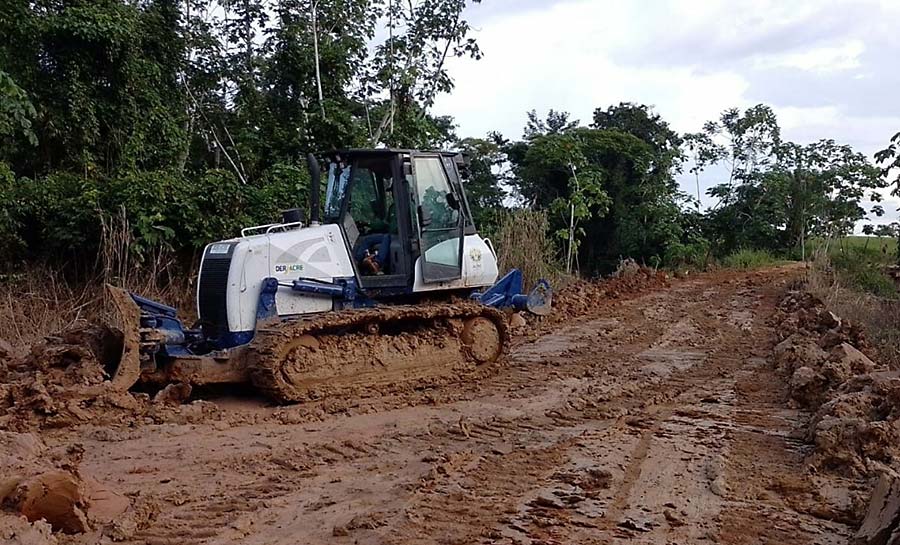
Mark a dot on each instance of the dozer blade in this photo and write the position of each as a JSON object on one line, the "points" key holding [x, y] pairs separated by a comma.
{"points": [[122, 360], [540, 300]]}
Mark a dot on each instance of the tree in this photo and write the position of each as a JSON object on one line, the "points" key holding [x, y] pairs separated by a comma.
{"points": [[744, 143], [16, 111], [409, 66], [826, 185], [777, 194], [629, 204], [103, 79], [890, 158], [483, 190], [555, 123]]}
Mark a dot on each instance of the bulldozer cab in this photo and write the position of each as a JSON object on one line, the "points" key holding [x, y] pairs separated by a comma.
{"points": [[395, 207]]}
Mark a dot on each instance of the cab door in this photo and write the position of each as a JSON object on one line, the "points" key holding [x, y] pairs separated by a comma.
{"points": [[439, 218]]}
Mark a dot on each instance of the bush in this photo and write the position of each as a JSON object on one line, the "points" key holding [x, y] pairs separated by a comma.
{"points": [[748, 259], [692, 256], [59, 216], [522, 243], [862, 270], [10, 241]]}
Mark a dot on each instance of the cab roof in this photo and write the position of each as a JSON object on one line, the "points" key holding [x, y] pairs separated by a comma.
{"points": [[389, 151]]}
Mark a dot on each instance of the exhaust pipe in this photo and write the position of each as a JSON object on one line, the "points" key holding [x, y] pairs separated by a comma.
{"points": [[314, 193]]}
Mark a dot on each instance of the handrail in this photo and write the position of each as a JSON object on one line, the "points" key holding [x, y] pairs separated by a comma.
{"points": [[246, 230], [269, 227], [283, 226]]}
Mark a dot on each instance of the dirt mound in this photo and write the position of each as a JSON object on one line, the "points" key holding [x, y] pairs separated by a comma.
{"points": [[583, 297], [831, 371], [819, 351], [43, 490], [61, 382], [855, 428]]}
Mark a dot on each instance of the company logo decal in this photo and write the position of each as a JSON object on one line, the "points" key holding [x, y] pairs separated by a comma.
{"points": [[284, 269]]}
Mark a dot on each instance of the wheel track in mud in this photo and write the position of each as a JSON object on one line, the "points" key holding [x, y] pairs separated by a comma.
{"points": [[192, 520], [504, 473], [199, 520], [483, 464]]}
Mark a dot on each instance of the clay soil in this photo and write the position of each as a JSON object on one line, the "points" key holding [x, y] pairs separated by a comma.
{"points": [[645, 418]]}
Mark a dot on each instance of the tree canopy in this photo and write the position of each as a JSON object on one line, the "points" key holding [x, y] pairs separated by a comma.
{"points": [[190, 119]]}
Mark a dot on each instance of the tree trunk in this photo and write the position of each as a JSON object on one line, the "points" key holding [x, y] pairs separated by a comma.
{"points": [[315, 33]]}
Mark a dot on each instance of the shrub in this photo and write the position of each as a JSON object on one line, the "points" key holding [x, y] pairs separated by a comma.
{"points": [[748, 259], [60, 216], [522, 243], [693, 255], [862, 269], [10, 241]]}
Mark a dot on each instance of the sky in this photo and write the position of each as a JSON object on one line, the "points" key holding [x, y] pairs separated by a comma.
{"points": [[829, 68]]}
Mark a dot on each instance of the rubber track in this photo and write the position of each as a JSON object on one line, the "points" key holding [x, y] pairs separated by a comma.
{"points": [[266, 368]]}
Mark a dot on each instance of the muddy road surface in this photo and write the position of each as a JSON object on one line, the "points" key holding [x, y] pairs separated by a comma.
{"points": [[659, 419]]}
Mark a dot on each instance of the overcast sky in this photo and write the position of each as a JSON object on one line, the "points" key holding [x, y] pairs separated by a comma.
{"points": [[829, 68]]}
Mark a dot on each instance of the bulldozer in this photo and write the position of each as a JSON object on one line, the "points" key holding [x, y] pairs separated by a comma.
{"points": [[386, 285]]}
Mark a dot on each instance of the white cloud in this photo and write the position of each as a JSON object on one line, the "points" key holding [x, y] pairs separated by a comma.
{"points": [[562, 57], [830, 58], [823, 65]]}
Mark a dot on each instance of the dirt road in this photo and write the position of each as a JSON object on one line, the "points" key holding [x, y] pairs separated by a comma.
{"points": [[658, 420]]}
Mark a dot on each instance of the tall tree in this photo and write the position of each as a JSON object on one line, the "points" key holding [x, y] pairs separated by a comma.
{"points": [[890, 159], [409, 67], [622, 186], [777, 194]]}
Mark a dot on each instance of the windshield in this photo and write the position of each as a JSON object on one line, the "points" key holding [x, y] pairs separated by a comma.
{"points": [[338, 174]]}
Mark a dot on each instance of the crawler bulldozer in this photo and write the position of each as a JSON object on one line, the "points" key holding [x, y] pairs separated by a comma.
{"points": [[386, 284]]}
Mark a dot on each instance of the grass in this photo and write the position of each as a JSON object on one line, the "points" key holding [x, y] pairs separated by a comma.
{"points": [[851, 277], [885, 246], [854, 297], [858, 270], [749, 259], [37, 300], [859, 263], [522, 243]]}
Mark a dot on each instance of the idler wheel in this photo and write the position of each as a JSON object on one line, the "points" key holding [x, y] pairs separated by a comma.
{"points": [[482, 338]]}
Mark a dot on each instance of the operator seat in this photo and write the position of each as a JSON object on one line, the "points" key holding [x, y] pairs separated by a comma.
{"points": [[375, 247]]}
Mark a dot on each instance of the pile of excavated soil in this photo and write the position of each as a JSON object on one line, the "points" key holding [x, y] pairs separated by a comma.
{"points": [[61, 383], [856, 403], [855, 406], [583, 297], [42, 491]]}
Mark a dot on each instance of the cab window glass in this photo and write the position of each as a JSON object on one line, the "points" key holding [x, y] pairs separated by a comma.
{"points": [[338, 176], [438, 215], [363, 197], [434, 194]]}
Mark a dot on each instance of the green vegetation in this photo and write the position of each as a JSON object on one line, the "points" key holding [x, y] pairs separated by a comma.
{"points": [[861, 263], [194, 117], [881, 248], [523, 242], [191, 119], [852, 279], [748, 259]]}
